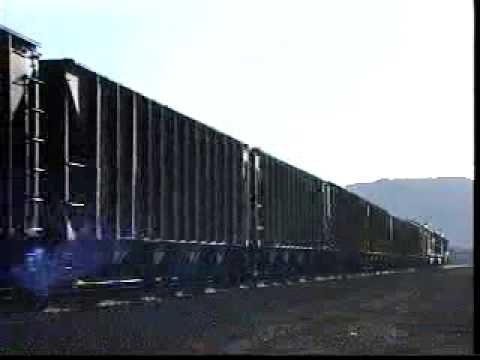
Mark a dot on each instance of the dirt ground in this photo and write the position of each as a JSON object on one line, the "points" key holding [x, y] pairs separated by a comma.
{"points": [[422, 312]]}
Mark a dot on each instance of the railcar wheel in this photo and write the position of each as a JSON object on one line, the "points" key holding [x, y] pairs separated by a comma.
{"points": [[271, 265], [206, 261], [285, 265], [234, 268]]}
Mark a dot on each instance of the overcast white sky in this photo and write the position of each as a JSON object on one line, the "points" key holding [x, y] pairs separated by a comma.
{"points": [[351, 91]]}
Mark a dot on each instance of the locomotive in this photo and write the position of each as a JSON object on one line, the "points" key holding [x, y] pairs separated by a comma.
{"points": [[99, 182]]}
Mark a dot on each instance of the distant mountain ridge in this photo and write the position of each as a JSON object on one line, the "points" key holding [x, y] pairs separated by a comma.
{"points": [[445, 202]]}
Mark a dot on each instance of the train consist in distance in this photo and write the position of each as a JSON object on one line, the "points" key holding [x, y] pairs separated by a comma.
{"points": [[98, 181]]}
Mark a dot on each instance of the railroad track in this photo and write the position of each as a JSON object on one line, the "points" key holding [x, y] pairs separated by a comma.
{"points": [[101, 298]]}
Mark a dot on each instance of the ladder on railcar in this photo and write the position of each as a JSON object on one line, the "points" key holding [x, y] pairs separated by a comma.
{"points": [[34, 198], [74, 167], [73, 199], [329, 241]]}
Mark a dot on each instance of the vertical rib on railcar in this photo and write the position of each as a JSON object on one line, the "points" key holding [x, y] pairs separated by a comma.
{"points": [[142, 181], [190, 178], [108, 162]]}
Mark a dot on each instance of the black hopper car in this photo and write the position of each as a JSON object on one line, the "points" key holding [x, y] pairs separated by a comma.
{"points": [[99, 182]]}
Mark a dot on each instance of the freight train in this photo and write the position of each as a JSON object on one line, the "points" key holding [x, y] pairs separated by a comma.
{"points": [[99, 182]]}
